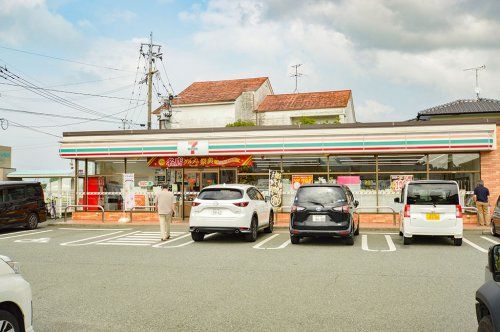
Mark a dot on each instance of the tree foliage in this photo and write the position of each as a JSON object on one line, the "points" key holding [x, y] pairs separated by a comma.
{"points": [[241, 123]]}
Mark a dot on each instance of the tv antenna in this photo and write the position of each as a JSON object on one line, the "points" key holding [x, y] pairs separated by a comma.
{"points": [[296, 75], [477, 69]]}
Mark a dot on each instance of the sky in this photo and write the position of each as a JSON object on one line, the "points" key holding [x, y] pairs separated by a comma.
{"points": [[398, 57]]}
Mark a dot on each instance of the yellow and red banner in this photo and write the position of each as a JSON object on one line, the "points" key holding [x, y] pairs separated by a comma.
{"points": [[298, 180], [216, 161]]}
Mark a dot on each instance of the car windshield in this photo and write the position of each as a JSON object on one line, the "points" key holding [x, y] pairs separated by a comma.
{"points": [[320, 196], [432, 193], [220, 194]]}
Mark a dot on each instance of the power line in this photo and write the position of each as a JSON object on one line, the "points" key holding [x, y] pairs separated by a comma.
{"points": [[52, 115], [69, 92], [15, 124], [63, 59]]}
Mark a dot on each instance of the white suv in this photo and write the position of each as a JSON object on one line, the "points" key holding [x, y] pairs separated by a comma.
{"points": [[230, 208], [431, 207], [15, 298]]}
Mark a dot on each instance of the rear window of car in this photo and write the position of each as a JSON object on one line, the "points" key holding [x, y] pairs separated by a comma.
{"points": [[432, 194], [320, 195], [220, 194]]}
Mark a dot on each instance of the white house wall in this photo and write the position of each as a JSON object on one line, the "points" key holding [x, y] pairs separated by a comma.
{"points": [[277, 118], [203, 116]]}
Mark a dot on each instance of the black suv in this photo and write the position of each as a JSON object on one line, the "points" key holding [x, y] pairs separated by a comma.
{"points": [[323, 210], [21, 204], [488, 295]]}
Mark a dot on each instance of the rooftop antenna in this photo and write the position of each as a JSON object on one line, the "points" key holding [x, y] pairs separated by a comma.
{"points": [[476, 69], [296, 75]]}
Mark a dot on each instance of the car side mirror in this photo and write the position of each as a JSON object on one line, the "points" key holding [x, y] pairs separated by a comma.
{"points": [[356, 203], [397, 200], [494, 261]]}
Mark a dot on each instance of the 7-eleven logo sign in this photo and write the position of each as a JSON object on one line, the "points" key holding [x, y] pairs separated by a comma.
{"points": [[192, 148]]}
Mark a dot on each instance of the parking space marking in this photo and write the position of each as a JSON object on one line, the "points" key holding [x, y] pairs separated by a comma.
{"points": [[490, 240], [40, 240], [281, 246], [258, 245], [183, 244], [475, 246], [91, 229], [159, 245], [72, 243], [25, 233], [388, 239], [138, 239]]}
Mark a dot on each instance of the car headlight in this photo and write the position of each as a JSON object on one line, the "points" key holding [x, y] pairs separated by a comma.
{"points": [[16, 267]]}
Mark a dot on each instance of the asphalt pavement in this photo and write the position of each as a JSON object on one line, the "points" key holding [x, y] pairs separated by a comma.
{"points": [[120, 279]]}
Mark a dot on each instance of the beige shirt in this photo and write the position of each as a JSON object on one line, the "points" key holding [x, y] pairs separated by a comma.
{"points": [[164, 200]]}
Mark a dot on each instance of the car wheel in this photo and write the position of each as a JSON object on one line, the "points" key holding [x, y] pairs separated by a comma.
{"points": [[457, 242], [485, 324], [32, 221], [406, 240], [197, 236], [400, 233], [294, 239], [8, 322], [493, 229], [252, 236], [349, 241], [270, 228]]}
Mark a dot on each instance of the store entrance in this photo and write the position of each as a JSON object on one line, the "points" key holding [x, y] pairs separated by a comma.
{"points": [[194, 181]]}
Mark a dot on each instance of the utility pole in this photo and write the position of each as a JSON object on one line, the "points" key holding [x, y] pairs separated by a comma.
{"points": [[296, 75], [476, 69], [153, 52]]}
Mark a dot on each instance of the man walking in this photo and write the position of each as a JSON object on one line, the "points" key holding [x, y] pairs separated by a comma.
{"points": [[165, 202], [481, 194]]}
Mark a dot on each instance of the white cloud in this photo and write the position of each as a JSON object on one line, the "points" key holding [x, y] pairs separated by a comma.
{"points": [[118, 16], [374, 111]]}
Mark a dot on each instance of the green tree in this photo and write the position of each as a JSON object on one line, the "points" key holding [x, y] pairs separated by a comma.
{"points": [[241, 123], [305, 120]]}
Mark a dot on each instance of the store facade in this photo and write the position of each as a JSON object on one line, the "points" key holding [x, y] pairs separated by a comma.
{"points": [[373, 159]]}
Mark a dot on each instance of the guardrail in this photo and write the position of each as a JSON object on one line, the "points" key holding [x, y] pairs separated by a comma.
{"points": [[83, 206], [377, 207], [151, 207], [470, 208]]}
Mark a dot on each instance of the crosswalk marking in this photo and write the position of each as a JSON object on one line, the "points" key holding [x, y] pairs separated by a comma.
{"points": [[77, 242], [137, 239], [472, 244]]}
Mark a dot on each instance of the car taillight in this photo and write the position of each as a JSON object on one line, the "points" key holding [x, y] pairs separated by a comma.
{"points": [[459, 211], [296, 208], [241, 204], [195, 203], [407, 211], [343, 208]]}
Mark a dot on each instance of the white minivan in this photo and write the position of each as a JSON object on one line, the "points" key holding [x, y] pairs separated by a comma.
{"points": [[431, 207]]}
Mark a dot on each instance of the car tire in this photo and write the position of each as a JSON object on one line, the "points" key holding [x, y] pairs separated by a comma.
{"points": [[349, 241], [485, 324], [8, 321], [400, 233], [457, 242], [493, 229], [406, 240], [31, 221], [270, 228], [197, 236], [252, 236], [294, 239]]}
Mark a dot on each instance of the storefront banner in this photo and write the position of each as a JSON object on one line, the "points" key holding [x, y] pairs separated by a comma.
{"points": [[139, 200], [298, 180], [349, 180], [222, 161], [275, 188], [128, 194], [399, 181]]}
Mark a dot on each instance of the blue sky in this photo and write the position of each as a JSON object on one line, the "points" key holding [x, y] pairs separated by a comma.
{"points": [[398, 57]]}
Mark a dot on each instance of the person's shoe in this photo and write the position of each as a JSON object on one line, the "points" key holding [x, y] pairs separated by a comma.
{"points": [[168, 237], [164, 239]]}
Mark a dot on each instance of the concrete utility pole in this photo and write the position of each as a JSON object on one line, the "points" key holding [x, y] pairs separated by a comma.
{"points": [[153, 51], [296, 75], [476, 69]]}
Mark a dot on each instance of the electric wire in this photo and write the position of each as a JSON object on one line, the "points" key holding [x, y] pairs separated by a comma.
{"points": [[166, 76], [135, 83], [16, 124]]}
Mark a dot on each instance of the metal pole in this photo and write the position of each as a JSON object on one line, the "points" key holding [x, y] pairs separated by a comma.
{"points": [[76, 182], [150, 78]]}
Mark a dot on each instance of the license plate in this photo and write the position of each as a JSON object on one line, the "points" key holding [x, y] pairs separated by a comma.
{"points": [[432, 216], [320, 218], [216, 212]]}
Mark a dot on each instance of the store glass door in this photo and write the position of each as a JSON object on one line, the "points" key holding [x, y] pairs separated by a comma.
{"points": [[194, 182]]}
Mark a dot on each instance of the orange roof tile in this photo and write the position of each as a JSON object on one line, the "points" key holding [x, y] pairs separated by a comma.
{"points": [[303, 101], [217, 91]]}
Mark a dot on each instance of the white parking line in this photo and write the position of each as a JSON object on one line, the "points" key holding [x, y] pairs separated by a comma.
{"points": [[71, 243], [184, 244], [159, 245], [472, 244], [25, 233], [388, 239], [491, 240], [92, 229], [258, 245], [281, 246]]}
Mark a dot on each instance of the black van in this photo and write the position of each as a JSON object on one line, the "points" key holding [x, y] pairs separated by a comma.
{"points": [[21, 204]]}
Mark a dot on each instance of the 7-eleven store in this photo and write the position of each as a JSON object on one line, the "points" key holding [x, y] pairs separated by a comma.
{"points": [[373, 159]]}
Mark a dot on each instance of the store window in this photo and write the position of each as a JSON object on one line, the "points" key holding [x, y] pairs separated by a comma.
{"points": [[304, 164], [454, 162], [402, 163], [260, 181], [349, 164], [466, 181], [110, 167], [262, 164]]}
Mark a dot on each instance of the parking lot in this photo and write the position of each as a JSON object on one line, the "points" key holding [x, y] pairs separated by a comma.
{"points": [[125, 278]]}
